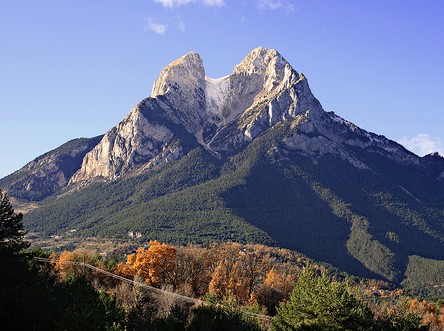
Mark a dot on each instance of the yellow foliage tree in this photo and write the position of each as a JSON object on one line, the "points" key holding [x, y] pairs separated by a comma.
{"points": [[62, 265], [430, 315], [154, 265]]}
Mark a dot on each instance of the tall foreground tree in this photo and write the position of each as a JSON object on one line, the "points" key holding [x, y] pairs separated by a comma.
{"points": [[27, 300], [11, 227], [317, 303]]}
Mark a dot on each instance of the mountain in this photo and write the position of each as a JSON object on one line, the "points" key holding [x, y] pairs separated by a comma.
{"points": [[252, 157], [221, 115]]}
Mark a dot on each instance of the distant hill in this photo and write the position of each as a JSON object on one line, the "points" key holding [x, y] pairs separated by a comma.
{"points": [[50, 172]]}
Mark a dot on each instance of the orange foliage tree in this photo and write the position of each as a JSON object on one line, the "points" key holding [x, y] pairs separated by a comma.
{"points": [[80, 255], [221, 283], [430, 314], [276, 287], [154, 265], [239, 270], [60, 264]]}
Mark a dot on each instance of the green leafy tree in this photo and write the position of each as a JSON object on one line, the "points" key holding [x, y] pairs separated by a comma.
{"points": [[317, 303], [11, 227]]}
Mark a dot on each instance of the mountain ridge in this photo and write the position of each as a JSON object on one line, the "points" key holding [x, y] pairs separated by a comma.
{"points": [[253, 156]]}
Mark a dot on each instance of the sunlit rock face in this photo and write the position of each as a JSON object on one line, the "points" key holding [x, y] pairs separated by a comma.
{"points": [[225, 114], [132, 143]]}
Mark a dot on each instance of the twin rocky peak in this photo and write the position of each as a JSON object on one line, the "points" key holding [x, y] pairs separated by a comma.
{"points": [[223, 115]]}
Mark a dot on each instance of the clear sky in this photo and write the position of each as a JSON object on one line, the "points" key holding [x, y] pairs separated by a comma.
{"points": [[75, 68]]}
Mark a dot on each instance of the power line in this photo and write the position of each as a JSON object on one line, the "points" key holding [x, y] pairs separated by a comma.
{"points": [[154, 289]]}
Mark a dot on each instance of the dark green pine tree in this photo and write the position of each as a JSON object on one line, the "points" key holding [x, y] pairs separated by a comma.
{"points": [[11, 227], [317, 303]]}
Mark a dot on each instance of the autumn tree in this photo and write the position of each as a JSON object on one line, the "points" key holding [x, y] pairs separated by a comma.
{"points": [[429, 314], [282, 283], [59, 261], [240, 271], [276, 287], [68, 262], [219, 281], [398, 316], [249, 266], [192, 270], [223, 280], [154, 265]]}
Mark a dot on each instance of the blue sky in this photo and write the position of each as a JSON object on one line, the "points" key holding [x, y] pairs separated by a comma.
{"points": [[72, 69]]}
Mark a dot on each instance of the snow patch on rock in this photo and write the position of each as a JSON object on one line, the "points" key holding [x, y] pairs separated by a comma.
{"points": [[217, 92]]}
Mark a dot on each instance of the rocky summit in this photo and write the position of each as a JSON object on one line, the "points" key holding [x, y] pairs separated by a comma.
{"points": [[251, 157], [223, 114]]}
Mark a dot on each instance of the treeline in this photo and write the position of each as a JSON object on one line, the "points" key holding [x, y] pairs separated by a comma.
{"points": [[247, 275], [233, 278], [298, 295]]}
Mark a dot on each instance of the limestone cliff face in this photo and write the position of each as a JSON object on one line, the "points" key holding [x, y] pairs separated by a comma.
{"points": [[181, 86], [328, 134], [262, 91], [222, 114], [132, 143], [225, 114]]}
